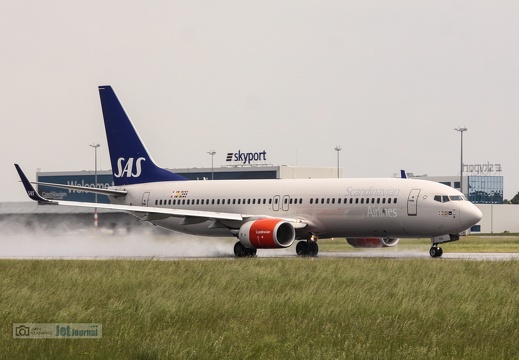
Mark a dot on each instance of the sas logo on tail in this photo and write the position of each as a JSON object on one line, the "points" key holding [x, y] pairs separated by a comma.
{"points": [[129, 168]]}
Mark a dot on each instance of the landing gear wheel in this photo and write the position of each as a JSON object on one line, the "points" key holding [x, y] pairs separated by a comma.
{"points": [[439, 252], [432, 251], [301, 248], [435, 251], [307, 248], [313, 248], [242, 251]]}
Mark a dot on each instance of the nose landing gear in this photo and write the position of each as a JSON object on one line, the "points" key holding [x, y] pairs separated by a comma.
{"points": [[435, 251]]}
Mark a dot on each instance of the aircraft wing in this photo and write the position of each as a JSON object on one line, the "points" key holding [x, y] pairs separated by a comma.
{"points": [[149, 213]]}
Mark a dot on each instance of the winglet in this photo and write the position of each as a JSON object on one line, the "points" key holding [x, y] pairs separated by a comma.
{"points": [[33, 194], [403, 174]]}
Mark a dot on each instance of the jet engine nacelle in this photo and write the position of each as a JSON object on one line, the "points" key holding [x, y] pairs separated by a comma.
{"points": [[372, 242], [267, 234]]}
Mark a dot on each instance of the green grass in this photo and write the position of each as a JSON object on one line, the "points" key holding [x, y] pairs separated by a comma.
{"points": [[266, 308]]}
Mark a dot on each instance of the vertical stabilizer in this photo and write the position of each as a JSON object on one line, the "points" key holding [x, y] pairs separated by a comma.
{"points": [[131, 162]]}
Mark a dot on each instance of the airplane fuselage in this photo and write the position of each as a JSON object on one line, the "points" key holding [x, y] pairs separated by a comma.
{"points": [[329, 207]]}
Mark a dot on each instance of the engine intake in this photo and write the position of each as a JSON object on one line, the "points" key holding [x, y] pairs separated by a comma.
{"points": [[372, 242], [267, 234]]}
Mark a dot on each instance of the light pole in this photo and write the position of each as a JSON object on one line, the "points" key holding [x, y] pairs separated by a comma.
{"points": [[212, 152], [95, 146], [461, 130], [338, 148]]}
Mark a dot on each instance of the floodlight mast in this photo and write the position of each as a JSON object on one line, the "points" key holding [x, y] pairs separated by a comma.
{"points": [[95, 146], [212, 152], [338, 148], [461, 130]]}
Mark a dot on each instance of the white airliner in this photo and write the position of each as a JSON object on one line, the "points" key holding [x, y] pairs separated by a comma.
{"points": [[272, 213]]}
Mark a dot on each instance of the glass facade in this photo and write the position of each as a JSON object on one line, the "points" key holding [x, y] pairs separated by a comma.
{"points": [[486, 189]]}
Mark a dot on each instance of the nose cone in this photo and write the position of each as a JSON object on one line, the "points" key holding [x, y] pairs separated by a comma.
{"points": [[470, 215]]}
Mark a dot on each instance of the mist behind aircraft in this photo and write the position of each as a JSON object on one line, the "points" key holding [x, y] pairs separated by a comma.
{"points": [[66, 242]]}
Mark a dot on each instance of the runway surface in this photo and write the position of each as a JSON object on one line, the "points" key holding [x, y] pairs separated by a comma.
{"points": [[88, 246]]}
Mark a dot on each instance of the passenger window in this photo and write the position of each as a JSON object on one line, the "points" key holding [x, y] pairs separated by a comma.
{"points": [[362, 201], [356, 200], [311, 201], [378, 200], [394, 201], [389, 201]]}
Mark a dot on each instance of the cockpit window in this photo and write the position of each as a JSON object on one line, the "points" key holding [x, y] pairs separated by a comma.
{"points": [[457, 197], [445, 198]]}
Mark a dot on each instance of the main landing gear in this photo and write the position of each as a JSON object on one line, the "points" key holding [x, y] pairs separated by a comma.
{"points": [[307, 248], [435, 251], [242, 251]]}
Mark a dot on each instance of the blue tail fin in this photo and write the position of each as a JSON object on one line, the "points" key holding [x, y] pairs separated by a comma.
{"points": [[131, 163]]}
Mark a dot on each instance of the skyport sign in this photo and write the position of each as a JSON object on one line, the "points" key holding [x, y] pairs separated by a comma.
{"points": [[247, 158], [482, 169]]}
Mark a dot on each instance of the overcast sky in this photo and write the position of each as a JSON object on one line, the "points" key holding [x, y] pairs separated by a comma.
{"points": [[388, 81]]}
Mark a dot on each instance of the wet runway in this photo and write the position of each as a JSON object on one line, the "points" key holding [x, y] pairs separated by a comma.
{"points": [[141, 246]]}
